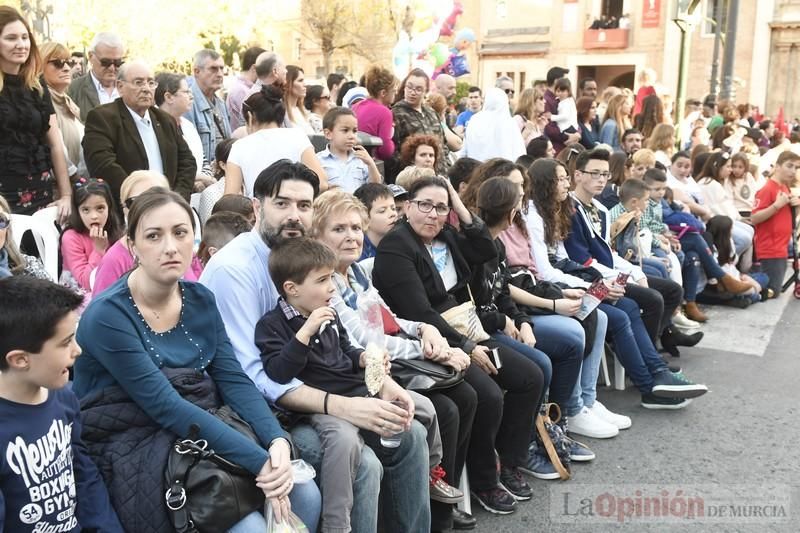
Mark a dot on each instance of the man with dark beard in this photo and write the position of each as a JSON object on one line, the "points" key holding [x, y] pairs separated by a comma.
{"points": [[239, 278]]}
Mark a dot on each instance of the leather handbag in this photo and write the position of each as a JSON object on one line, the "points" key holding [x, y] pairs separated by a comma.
{"points": [[464, 319], [422, 375], [206, 493]]}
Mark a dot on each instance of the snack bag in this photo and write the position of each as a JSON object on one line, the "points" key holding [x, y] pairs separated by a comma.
{"points": [[595, 294]]}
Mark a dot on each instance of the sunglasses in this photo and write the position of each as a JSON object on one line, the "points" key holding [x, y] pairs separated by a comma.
{"points": [[105, 62], [129, 202], [59, 63], [510, 92], [4, 221]]}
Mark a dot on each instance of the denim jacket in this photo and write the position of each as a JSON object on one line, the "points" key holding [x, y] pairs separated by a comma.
{"points": [[202, 116]]}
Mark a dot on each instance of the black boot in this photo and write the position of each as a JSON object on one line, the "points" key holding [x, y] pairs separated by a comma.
{"points": [[674, 337]]}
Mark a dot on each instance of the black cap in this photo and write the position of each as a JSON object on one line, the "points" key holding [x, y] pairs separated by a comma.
{"points": [[556, 73]]}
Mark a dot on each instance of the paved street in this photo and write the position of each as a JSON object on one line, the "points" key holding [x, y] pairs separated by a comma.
{"points": [[734, 443]]}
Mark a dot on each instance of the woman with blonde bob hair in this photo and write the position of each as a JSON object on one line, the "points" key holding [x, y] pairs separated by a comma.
{"points": [[30, 141], [57, 73]]}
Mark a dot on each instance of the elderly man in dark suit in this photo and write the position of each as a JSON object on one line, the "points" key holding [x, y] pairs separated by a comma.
{"points": [[131, 134], [99, 85]]}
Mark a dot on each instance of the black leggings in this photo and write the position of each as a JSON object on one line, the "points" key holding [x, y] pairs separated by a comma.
{"points": [[455, 408], [503, 422]]}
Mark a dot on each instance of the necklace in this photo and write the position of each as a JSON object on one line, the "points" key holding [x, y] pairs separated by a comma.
{"points": [[152, 310]]}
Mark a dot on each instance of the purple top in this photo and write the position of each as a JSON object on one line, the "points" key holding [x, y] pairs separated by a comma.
{"points": [[376, 119], [118, 260]]}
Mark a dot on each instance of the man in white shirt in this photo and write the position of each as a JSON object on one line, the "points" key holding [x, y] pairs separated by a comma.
{"points": [[99, 86], [270, 69]]}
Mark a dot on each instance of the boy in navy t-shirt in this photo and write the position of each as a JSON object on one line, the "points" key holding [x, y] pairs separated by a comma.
{"points": [[47, 480]]}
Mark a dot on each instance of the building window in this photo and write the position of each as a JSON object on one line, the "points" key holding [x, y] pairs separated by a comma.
{"points": [[612, 8], [298, 48], [709, 28], [320, 72], [501, 9]]}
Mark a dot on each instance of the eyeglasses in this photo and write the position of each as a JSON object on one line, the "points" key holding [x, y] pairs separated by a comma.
{"points": [[426, 207], [106, 62], [510, 92], [412, 89], [129, 202], [597, 174], [141, 84], [4, 221], [59, 63]]}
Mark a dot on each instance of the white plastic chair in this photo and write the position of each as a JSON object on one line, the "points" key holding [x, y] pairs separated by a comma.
{"points": [[46, 236], [194, 201], [465, 505], [198, 231]]}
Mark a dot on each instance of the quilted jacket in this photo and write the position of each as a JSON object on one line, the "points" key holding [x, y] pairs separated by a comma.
{"points": [[130, 450]]}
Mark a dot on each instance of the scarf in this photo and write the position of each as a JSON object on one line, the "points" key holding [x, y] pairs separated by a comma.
{"points": [[68, 116], [5, 272]]}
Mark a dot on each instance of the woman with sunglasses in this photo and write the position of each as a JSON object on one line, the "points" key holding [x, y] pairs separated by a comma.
{"points": [[12, 262], [318, 102], [118, 259], [57, 74], [32, 162]]}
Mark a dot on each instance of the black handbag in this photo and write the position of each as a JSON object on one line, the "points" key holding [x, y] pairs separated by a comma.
{"points": [[421, 375], [206, 493]]}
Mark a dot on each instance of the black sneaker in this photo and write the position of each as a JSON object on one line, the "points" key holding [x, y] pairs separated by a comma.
{"points": [[496, 500], [511, 480], [675, 385], [651, 401]]}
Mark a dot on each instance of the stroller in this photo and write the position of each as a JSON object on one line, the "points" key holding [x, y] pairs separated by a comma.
{"points": [[794, 279]]}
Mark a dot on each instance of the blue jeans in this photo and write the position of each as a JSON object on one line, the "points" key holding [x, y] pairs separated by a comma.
{"points": [[404, 493], [632, 344], [306, 504], [559, 347], [653, 267], [585, 391], [691, 276], [693, 242], [364, 514]]}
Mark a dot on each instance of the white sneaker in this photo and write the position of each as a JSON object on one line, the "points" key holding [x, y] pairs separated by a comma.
{"points": [[682, 321], [587, 424], [599, 410]]}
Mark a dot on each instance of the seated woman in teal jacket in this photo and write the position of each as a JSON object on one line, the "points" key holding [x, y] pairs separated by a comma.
{"points": [[150, 319]]}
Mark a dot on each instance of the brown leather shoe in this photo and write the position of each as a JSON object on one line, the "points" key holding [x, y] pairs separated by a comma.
{"points": [[693, 312], [733, 285]]}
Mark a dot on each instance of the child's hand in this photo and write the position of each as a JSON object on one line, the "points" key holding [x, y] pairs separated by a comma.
{"points": [[361, 153], [99, 239], [314, 323]]}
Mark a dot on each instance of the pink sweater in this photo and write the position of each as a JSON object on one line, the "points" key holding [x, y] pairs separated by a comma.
{"points": [[376, 119], [80, 257], [118, 260]]}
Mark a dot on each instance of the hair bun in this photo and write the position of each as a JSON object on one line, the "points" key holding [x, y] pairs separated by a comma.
{"points": [[272, 94]]}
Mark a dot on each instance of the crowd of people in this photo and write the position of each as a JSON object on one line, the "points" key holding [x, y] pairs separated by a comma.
{"points": [[397, 316]]}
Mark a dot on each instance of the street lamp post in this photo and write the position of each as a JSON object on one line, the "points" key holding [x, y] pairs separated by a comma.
{"points": [[728, 90]]}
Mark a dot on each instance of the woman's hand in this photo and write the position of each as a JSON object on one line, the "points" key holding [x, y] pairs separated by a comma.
{"points": [[64, 205], [526, 335], [480, 356], [567, 306], [434, 346], [456, 359], [276, 480], [510, 329], [574, 294]]}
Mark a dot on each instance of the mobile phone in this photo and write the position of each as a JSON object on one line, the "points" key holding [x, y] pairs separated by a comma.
{"points": [[496, 358], [622, 279]]}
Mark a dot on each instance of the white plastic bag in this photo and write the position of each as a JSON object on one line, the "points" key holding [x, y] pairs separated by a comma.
{"points": [[302, 472]]}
